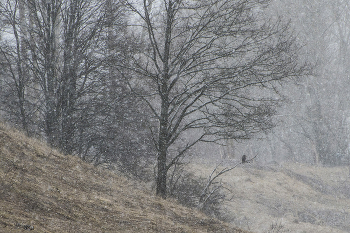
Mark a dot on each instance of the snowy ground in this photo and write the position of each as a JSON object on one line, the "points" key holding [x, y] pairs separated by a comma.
{"points": [[293, 197]]}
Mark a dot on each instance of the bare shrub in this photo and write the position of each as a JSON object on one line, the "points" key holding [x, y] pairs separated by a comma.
{"points": [[188, 189], [276, 227]]}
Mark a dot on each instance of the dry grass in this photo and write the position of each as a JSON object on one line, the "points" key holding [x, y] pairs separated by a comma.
{"points": [[43, 189], [294, 197]]}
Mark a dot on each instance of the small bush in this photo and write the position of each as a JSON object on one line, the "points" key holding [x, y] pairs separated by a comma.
{"points": [[188, 190], [276, 228]]}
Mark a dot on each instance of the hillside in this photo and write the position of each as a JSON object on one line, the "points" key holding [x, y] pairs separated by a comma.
{"points": [[293, 197], [44, 191]]}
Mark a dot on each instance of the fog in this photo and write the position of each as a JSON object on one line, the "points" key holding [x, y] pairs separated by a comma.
{"points": [[153, 88]]}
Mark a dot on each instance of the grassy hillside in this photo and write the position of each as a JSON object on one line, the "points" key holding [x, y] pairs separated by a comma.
{"points": [[44, 191], [293, 197]]}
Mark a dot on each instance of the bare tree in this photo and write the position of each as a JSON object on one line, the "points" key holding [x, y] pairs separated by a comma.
{"points": [[83, 23], [58, 45], [209, 69], [58, 75], [318, 111], [14, 58]]}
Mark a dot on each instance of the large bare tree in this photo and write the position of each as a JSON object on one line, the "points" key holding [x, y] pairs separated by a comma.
{"points": [[209, 70], [53, 51], [58, 79], [14, 58]]}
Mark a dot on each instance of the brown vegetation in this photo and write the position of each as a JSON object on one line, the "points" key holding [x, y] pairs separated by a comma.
{"points": [[45, 191]]}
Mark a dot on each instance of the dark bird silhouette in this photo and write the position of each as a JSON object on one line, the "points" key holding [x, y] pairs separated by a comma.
{"points": [[244, 157]]}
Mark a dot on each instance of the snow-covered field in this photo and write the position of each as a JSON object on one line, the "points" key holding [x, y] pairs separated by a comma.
{"points": [[290, 197]]}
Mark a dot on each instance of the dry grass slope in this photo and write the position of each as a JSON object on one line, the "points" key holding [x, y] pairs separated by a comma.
{"points": [[44, 190]]}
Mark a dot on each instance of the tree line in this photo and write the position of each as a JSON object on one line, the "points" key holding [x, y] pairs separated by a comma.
{"points": [[316, 124], [136, 82]]}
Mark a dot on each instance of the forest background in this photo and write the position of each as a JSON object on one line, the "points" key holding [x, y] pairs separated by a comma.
{"points": [[146, 84]]}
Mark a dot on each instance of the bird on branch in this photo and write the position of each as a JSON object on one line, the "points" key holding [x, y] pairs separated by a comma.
{"points": [[244, 157]]}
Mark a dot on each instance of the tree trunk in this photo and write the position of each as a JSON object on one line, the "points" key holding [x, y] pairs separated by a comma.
{"points": [[162, 175], [50, 79], [69, 86], [163, 145], [22, 55], [164, 116]]}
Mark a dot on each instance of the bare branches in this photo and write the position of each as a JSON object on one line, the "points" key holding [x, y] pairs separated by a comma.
{"points": [[214, 175], [209, 68]]}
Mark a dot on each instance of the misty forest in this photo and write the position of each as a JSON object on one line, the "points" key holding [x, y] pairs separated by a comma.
{"points": [[182, 95]]}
